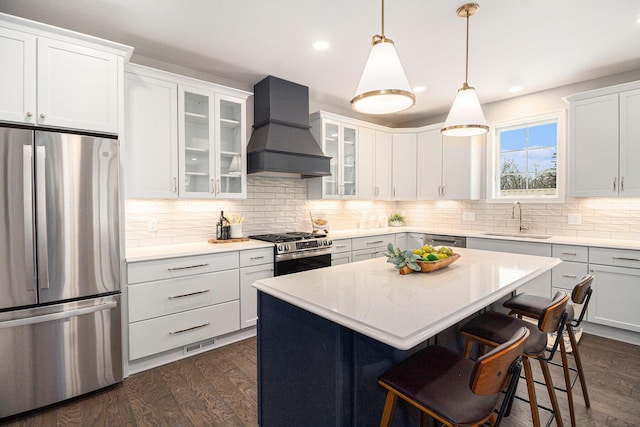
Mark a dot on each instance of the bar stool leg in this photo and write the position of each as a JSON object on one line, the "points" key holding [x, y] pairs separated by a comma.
{"points": [[567, 381], [576, 357], [389, 409], [552, 393], [533, 402]]}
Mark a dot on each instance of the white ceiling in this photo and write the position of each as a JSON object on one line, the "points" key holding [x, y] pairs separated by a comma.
{"points": [[537, 44]]}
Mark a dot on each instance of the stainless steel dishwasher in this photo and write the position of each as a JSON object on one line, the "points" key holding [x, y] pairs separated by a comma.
{"points": [[440, 240]]}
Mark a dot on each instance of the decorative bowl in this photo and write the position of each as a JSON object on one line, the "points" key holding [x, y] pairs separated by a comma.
{"points": [[429, 266]]}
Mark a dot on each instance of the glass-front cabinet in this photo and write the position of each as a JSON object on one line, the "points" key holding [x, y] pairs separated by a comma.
{"points": [[338, 142], [212, 136]]}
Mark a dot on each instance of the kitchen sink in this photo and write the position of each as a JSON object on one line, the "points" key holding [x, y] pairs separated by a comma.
{"points": [[519, 235]]}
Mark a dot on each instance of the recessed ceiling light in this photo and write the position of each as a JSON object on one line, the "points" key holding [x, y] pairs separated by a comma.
{"points": [[321, 45], [419, 89], [515, 89]]}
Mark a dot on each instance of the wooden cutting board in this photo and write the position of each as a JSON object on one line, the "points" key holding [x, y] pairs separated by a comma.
{"points": [[240, 239]]}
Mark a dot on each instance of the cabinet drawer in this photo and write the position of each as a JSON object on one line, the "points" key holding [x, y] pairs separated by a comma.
{"points": [[341, 245], [568, 274], [571, 253], [615, 257], [372, 242], [340, 258], [165, 333], [146, 271], [256, 257], [153, 299]]}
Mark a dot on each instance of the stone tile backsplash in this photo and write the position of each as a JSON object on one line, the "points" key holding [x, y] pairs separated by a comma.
{"points": [[280, 204]]}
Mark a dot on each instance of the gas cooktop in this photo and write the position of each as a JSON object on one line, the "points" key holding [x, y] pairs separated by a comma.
{"points": [[288, 237]]}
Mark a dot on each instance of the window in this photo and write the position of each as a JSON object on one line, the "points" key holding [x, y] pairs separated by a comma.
{"points": [[526, 159]]}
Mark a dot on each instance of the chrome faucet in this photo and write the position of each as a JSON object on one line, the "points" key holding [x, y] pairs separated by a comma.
{"points": [[517, 205]]}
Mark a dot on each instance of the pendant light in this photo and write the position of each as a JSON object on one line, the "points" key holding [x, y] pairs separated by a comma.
{"points": [[383, 87], [466, 117]]}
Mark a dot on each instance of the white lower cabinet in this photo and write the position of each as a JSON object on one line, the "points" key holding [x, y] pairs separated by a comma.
{"points": [[341, 252], [616, 288], [370, 247], [153, 336], [255, 264], [180, 301]]}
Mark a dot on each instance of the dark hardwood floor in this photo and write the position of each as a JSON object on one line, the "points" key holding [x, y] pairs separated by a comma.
{"points": [[218, 388]]}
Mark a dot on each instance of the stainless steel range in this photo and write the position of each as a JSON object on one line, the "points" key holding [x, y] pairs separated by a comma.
{"points": [[298, 251]]}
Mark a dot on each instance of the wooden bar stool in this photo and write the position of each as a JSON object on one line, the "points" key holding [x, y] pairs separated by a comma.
{"points": [[532, 306], [493, 329], [453, 389]]}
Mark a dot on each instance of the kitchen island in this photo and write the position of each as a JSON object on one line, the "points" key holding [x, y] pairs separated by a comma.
{"points": [[324, 336]]}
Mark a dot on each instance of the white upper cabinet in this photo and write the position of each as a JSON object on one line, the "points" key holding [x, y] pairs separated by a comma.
{"points": [[404, 167], [604, 150], [374, 164], [17, 76], [151, 129], [195, 130], [339, 141], [53, 77], [448, 168]]}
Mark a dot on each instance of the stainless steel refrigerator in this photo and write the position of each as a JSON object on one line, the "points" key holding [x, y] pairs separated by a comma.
{"points": [[60, 333]]}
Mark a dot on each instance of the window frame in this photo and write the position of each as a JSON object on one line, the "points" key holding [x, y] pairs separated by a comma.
{"points": [[493, 158]]}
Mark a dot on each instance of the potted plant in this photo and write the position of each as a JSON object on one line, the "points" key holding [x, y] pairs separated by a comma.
{"points": [[397, 220]]}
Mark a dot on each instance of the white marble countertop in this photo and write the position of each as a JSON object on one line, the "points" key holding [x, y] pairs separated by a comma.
{"points": [[372, 298], [558, 240], [188, 249]]}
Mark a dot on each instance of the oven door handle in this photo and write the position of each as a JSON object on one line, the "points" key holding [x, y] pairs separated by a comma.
{"points": [[303, 254]]}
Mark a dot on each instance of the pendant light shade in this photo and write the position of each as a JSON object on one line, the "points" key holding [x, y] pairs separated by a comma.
{"points": [[466, 117], [383, 87]]}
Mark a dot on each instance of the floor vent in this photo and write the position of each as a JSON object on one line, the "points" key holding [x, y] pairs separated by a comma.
{"points": [[198, 347]]}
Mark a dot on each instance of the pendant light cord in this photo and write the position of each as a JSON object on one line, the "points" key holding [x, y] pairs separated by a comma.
{"points": [[382, 19], [466, 72]]}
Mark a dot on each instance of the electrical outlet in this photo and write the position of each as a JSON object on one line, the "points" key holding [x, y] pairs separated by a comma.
{"points": [[152, 224], [468, 216], [574, 219]]}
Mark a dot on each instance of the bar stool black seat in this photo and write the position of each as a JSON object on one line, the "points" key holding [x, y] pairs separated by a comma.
{"points": [[493, 329], [453, 389], [533, 306]]}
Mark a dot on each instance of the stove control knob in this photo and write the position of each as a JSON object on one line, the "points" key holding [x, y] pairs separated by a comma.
{"points": [[280, 248], [287, 247], [329, 242]]}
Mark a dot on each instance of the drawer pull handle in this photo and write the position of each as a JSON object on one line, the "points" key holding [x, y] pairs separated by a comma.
{"points": [[626, 259], [340, 246], [569, 253], [259, 271], [570, 276], [187, 267], [189, 294], [257, 257], [375, 243], [189, 329]]}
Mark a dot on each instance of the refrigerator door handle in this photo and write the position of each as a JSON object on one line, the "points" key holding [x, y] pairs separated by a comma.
{"points": [[57, 316], [41, 212], [27, 197]]}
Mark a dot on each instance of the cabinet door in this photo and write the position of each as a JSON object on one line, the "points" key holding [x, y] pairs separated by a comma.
{"points": [[366, 163], [349, 136], [382, 165], [196, 142], [17, 76], [231, 141], [593, 148], [343, 258], [461, 168], [77, 87], [331, 145], [150, 130], [415, 240], [616, 292], [404, 166], [249, 294], [429, 165], [630, 143]]}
